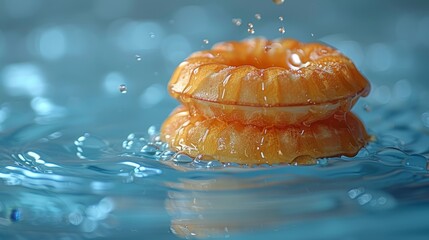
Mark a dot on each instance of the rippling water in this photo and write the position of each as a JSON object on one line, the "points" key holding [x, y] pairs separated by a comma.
{"points": [[59, 184]]}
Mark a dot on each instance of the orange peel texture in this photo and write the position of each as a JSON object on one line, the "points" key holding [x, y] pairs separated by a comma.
{"points": [[260, 101], [262, 82], [248, 144]]}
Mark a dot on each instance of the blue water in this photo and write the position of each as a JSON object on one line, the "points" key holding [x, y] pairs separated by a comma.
{"points": [[80, 157], [59, 185]]}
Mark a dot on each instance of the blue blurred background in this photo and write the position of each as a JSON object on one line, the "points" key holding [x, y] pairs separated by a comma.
{"points": [[64, 60]]}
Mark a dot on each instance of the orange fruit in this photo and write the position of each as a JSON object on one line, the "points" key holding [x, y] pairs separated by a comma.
{"points": [[342, 134], [268, 83]]}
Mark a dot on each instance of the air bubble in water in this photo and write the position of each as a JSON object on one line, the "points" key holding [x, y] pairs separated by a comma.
{"points": [[89, 146], [250, 25], [367, 108], [258, 16], [182, 158], [312, 34], [236, 21], [167, 155], [75, 218], [281, 19], [152, 35], [282, 30], [153, 133], [123, 88], [322, 162], [206, 41], [356, 192], [138, 57], [278, 2], [251, 30], [214, 164], [15, 215], [134, 142], [150, 149]]}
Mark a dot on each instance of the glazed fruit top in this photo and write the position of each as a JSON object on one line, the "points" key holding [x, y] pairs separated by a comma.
{"points": [[259, 72]]}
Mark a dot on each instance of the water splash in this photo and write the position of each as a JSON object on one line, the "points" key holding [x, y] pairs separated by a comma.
{"points": [[123, 88]]}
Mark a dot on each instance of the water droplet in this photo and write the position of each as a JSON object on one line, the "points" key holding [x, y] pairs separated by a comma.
{"points": [[206, 41], [322, 162], [364, 198], [251, 30], [152, 35], [281, 19], [15, 215], [258, 16], [367, 108], [267, 48], [278, 2], [355, 192], [282, 30], [134, 142], [416, 161], [123, 88], [214, 164], [75, 218], [138, 57], [182, 158], [167, 155], [149, 149], [303, 160], [236, 21], [312, 34], [89, 147]]}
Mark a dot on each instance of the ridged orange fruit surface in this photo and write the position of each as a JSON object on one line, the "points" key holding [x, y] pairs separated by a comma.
{"points": [[260, 101], [262, 82], [249, 144]]}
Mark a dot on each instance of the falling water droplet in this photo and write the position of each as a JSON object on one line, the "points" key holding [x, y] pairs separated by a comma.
{"points": [[123, 88], [282, 30], [236, 21], [206, 41], [278, 2], [281, 19], [258, 16]]}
